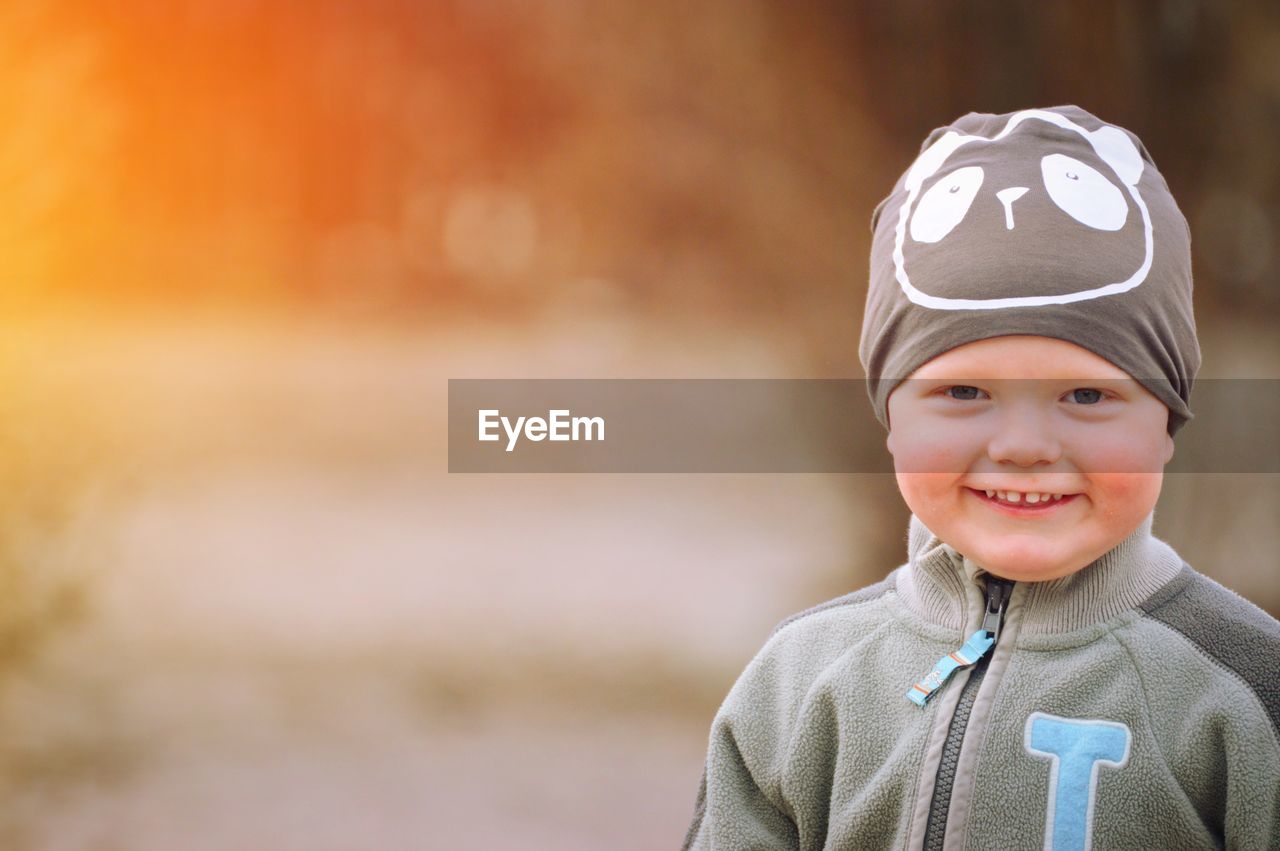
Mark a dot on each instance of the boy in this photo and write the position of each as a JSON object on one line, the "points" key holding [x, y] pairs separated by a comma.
{"points": [[1042, 672]]}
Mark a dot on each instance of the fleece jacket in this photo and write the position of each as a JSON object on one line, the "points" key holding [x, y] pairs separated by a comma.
{"points": [[1134, 704]]}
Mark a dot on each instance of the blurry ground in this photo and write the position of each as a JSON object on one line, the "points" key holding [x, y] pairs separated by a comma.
{"points": [[298, 631]]}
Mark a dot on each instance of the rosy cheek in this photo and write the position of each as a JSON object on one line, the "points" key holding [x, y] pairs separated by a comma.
{"points": [[1124, 495], [1118, 455], [923, 452]]}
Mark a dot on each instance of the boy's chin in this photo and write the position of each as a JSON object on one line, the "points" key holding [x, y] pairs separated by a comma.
{"points": [[1029, 564], [1023, 574]]}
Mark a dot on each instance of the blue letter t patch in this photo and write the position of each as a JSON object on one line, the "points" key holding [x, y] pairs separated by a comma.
{"points": [[1076, 749]]}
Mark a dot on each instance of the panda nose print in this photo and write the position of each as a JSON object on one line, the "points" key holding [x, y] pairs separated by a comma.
{"points": [[1007, 197]]}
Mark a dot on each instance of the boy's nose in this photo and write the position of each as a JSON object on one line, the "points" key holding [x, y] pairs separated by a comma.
{"points": [[1024, 439], [1007, 197]]}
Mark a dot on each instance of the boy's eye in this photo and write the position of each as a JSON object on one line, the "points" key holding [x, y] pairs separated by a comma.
{"points": [[963, 392], [1086, 395]]}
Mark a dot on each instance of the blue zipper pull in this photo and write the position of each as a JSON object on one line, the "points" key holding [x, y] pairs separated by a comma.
{"points": [[998, 591]]}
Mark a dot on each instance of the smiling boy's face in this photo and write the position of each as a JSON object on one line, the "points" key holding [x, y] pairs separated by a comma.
{"points": [[1031, 415]]}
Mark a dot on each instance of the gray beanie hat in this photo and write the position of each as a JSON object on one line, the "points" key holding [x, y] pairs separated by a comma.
{"points": [[1047, 222]]}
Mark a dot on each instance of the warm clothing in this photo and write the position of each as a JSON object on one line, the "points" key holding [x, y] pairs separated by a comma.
{"points": [[1134, 704], [1048, 222]]}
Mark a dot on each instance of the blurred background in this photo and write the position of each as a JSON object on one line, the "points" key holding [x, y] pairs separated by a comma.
{"points": [[243, 246]]}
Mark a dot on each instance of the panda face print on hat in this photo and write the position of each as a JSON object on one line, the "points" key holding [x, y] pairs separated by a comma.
{"points": [[1044, 212]]}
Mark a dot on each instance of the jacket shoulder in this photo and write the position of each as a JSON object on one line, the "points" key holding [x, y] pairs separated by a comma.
{"points": [[846, 603], [1231, 631]]}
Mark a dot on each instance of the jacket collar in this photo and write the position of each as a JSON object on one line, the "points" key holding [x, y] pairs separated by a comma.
{"points": [[942, 585]]}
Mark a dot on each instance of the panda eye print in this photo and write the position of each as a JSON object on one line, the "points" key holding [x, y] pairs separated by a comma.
{"points": [[945, 204], [1083, 193]]}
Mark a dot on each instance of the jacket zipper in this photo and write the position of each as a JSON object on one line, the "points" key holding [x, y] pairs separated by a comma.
{"points": [[998, 591]]}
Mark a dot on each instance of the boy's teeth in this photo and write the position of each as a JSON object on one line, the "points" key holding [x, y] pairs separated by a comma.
{"points": [[1016, 497]]}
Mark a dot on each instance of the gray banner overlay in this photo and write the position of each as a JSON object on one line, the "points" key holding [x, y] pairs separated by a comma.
{"points": [[814, 426]]}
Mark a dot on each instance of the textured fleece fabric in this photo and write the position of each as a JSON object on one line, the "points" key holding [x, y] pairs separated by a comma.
{"points": [[1134, 704], [1048, 222]]}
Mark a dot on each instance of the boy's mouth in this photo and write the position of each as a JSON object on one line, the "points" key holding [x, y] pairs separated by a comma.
{"points": [[1020, 503]]}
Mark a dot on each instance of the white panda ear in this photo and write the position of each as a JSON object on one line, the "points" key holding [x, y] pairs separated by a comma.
{"points": [[932, 158], [1117, 149], [934, 135]]}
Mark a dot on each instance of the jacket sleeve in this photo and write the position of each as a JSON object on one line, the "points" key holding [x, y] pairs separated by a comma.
{"points": [[1247, 776], [1252, 793], [740, 804], [1225, 729], [733, 811]]}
